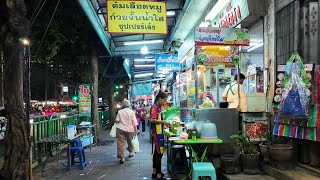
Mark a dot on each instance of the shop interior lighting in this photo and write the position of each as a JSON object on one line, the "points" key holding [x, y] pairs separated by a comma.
{"points": [[143, 75], [171, 13], [144, 60], [216, 9], [144, 50], [144, 65], [255, 47], [143, 42]]}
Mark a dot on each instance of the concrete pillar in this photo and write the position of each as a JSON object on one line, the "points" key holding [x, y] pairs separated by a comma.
{"points": [[270, 53]]}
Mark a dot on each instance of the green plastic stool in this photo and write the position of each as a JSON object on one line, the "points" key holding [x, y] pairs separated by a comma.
{"points": [[203, 169]]}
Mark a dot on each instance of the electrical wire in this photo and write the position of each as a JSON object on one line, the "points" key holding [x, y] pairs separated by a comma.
{"points": [[34, 19], [105, 70], [17, 45], [45, 33]]}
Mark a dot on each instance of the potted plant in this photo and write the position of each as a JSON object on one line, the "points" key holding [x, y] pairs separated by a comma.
{"points": [[249, 156], [265, 146]]}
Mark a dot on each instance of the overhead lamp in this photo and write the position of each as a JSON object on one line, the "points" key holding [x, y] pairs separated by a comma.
{"points": [[142, 42], [204, 24], [144, 65], [25, 41], [144, 50], [143, 75], [216, 9], [171, 13], [144, 60], [255, 47]]}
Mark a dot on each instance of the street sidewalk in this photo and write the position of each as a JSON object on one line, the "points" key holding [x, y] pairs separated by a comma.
{"points": [[102, 163]]}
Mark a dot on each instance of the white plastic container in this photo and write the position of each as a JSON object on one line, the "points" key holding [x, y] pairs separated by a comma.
{"points": [[255, 102], [71, 131]]}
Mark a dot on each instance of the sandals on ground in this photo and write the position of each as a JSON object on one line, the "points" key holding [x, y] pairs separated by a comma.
{"points": [[155, 176]]}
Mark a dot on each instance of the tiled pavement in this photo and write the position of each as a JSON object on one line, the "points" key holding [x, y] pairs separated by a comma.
{"points": [[103, 164]]}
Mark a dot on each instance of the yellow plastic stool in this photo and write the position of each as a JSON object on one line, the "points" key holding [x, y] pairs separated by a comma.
{"points": [[203, 169]]}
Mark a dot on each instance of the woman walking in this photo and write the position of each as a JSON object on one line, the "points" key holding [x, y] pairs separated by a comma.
{"points": [[126, 130], [157, 133]]}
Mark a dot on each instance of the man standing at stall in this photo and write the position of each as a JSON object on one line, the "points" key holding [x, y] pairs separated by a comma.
{"points": [[231, 92]]}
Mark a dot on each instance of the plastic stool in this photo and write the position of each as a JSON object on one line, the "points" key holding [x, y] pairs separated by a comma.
{"points": [[76, 142], [203, 169], [80, 153], [178, 150]]}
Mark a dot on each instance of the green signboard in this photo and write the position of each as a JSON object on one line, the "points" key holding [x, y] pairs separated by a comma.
{"points": [[231, 14], [84, 100]]}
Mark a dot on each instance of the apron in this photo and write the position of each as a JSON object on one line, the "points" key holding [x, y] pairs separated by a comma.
{"points": [[157, 134]]}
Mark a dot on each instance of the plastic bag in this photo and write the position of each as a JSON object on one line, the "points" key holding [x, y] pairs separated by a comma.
{"points": [[295, 101], [135, 144], [207, 104], [113, 132]]}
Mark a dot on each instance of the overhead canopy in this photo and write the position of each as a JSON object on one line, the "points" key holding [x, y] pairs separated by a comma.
{"points": [[182, 17]]}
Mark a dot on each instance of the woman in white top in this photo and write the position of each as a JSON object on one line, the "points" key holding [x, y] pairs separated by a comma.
{"points": [[231, 94], [126, 130]]}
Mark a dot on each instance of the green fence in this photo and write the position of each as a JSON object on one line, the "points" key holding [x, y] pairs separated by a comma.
{"points": [[55, 125], [44, 127]]}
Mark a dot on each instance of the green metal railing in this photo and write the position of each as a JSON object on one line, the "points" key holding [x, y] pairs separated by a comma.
{"points": [[43, 127], [55, 125]]}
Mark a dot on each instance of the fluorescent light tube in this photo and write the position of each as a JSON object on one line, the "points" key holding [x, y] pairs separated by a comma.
{"points": [[171, 13], [255, 47], [142, 42], [216, 9], [144, 65], [144, 60], [143, 75]]}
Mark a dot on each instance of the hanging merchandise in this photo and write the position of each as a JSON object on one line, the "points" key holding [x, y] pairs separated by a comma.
{"points": [[295, 99]]}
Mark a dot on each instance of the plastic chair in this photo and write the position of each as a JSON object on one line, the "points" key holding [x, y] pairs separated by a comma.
{"points": [[79, 151], [178, 151], [203, 169]]}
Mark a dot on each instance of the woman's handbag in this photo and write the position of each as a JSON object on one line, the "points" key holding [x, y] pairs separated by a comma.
{"points": [[135, 144], [113, 132]]}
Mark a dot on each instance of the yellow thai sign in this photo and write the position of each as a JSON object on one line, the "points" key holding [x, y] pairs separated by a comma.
{"points": [[137, 17]]}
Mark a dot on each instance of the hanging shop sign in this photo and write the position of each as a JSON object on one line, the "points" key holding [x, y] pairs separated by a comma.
{"points": [[84, 100], [222, 36], [209, 55], [167, 63], [231, 15], [138, 17]]}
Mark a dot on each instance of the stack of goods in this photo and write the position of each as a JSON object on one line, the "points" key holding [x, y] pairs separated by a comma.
{"points": [[296, 114]]}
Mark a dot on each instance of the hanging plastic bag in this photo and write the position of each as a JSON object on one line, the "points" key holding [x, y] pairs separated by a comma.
{"points": [[113, 132], [295, 101], [135, 144], [207, 104]]}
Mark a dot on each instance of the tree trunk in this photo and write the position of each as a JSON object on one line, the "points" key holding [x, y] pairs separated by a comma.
{"points": [[112, 109], [94, 95], [17, 141]]}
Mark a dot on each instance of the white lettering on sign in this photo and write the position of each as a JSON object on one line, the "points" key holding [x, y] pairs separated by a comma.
{"points": [[232, 16]]}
